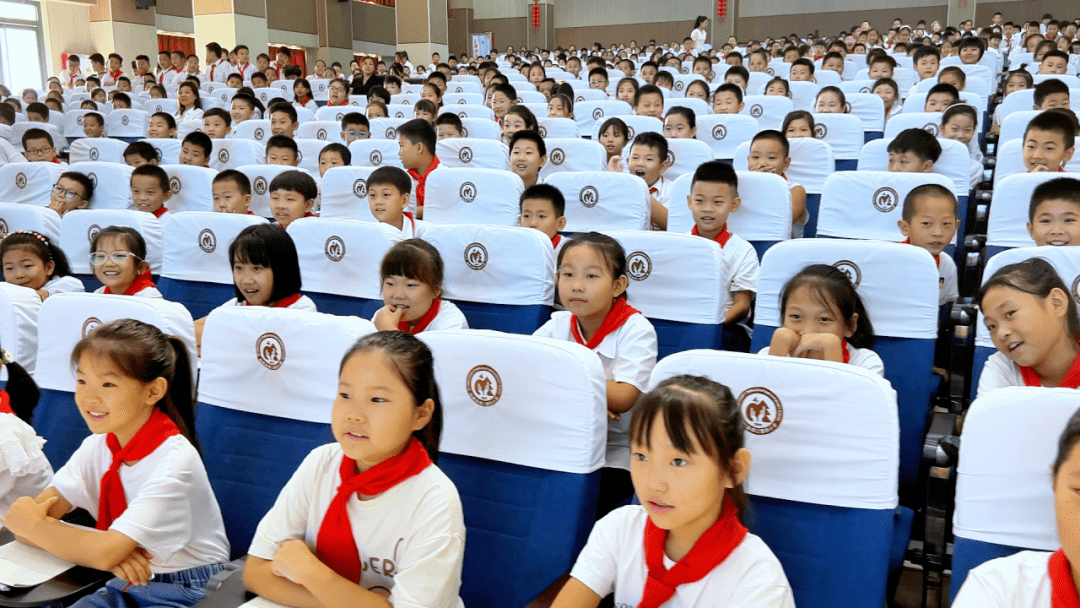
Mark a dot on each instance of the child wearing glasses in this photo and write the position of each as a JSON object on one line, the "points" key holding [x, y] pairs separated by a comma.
{"points": [[72, 191], [118, 255]]}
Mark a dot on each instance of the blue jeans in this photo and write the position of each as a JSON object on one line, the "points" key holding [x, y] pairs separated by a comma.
{"points": [[172, 590]]}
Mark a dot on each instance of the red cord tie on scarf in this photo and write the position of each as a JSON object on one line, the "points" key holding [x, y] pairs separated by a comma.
{"points": [[1062, 586], [721, 238], [618, 315], [113, 502], [336, 545], [710, 550]]}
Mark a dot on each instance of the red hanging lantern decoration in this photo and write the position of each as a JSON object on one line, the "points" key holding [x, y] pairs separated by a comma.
{"points": [[721, 8], [536, 13]]}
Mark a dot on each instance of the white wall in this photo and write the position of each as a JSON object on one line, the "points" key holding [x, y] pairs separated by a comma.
{"points": [[764, 8], [504, 9], [582, 13]]}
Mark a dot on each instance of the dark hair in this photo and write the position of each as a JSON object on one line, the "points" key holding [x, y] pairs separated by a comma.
{"points": [[36, 134], [39, 108], [707, 409], [1057, 121], [200, 139], [647, 89], [773, 135], [1047, 88], [834, 290], [296, 181], [889, 82], [426, 105], [787, 87], [222, 114], [268, 245], [7, 114], [234, 75], [797, 115], [415, 366], [665, 75], [41, 246], [392, 176], [960, 109], [130, 237], [141, 149], [414, 259], [258, 74], [911, 201], [143, 353], [168, 118], [379, 93], [194, 89], [686, 113], [738, 70], [716, 171], [232, 175], [730, 87], [1067, 442], [354, 118], [803, 61], [1060, 189], [283, 141], [971, 41], [419, 131], [508, 89], [155, 172], [543, 192], [121, 97], [1037, 277], [918, 142], [652, 139], [609, 249], [449, 118], [85, 182], [339, 149], [285, 107], [531, 124], [834, 90], [617, 124], [532, 136], [95, 116], [882, 58]]}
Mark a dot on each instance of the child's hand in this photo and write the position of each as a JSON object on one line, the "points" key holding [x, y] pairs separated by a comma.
{"points": [[783, 342], [293, 561], [25, 514], [816, 346], [1040, 169], [615, 164], [42, 294], [613, 416], [388, 318], [135, 568]]}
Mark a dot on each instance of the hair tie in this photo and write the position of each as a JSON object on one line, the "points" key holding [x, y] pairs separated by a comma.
{"points": [[45, 241], [6, 357]]}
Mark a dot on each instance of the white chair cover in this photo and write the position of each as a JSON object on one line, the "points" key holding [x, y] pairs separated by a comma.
{"points": [[557, 127], [328, 131], [168, 150], [769, 110], [603, 200], [375, 153], [344, 194], [635, 125], [724, 132], [42, 220], [386, 128], [307, 154], [261, 176], [78, 229], [454, 98], [196, 245], [572, 154], [927, 121], [457, 195], [256, 130], [1015, 124], [192, 188], [153, 106], [867, 204], [19, 307], [685, 156], [334, 113], [467, 110], [97, 149], [1007, 226], [73, 124], [869, 108], [811, 163], [127, 123], [589, 113], [473, 153], [343, 257], [481, 128], [843, 133], [954, 162], [28, 183], [233, 153], [19, 128], [763, 215], [112, 183]]}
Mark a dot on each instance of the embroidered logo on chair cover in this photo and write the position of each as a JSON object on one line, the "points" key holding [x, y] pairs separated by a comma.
{"points": [[476, 256], [557, 155], [391, 132], [94, 154], [270, 351], [207, 240], [260, 185], [851, 269], [719, 132], [761, 409], [886, 199], [376, 158], [467, 192], [334, 248], [93, 178], [465, 155], [638, 266], [597, 113], [223, 156], [321, 134], [756, 110], [589, 196], [20, 181], [175, 185], [259, 133], [931, 128], [359, 188], [92, 232], [90, 325], [484, 385], [3, 228], [820, 131]]}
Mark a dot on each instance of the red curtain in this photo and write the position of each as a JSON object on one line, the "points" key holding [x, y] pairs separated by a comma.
{"points": [[298, 57], [184, 44]]}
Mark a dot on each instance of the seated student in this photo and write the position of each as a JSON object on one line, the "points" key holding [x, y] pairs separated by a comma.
{"points": [[913, 151], [528, 154], [648, 160], [798, 123], [1048, 141], [37, 112], [161, 126], [665, 80], [158, 525], [448, 125], [150, 190], [739, 76], [824, 318], [648, 555], [1017, 80], [38, 146], [959, 123], [648, 70], [118, 255], [232, 192], [354, 126], [778, 86], [414, 515], [302, 94], [592, 283], [217, 123], [412, 277], [376, 109], [292, 196], [882, 66], [93, 125], [333, 155], [121, 101], [1029, 579], [243, 107], [337, 93], [282, 150], [970, 49], [54, 105], [614, 135], [889, 92], [416, 150], [98, 95], [425, 110], [29, 96], [757, 61], [266, 269], [1051, 94], [392, 84], [703, 67], [833, 61], [7, 114], [72, 191], [649, 102], [195, 149], [518, 118], [680, 123], [379, 94], [598, 80], [714, 195], [1054, 213], [388, 191], [728, 99], [234, 81], [952, 76], [32, 260], [283, 119], [830, 100], [88, 105], [1033, 323], [562, 106], [697, 89], [1054, 62], [259, 81], [930, 221], [802, 70], [770, 153], [157, 92], [542, 208], [927, 60], [503, 97]]}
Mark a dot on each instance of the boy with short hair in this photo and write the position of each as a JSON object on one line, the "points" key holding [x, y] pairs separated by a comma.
{"points": [[217, 123], [929, 220], [714, 195], [913, 151], [389, 193], [1054, 213], [37, 112], [738, 75], [232, 192], [416, 150], [1051, 94], [528, 154], [770, 153], [665, 80], [93, 125], [333, 155], [448, 125], [1048, 141], [121, 101], [234, 80], [282, 150], [728, 99], [881, 66], [150, 190], [833, 61], [354, 126], [598, 79], [648, 71], [283, 119], [7, 114], [1054, 62], [802, 70], [649, 101], [543, 208], [502, 99], [648, 160], [242, 108], [140, 153], [195, 149], [939, 97], [72, 191], [970, 49], [953, 76], [258, 80], [292, 196], [38, 146]]}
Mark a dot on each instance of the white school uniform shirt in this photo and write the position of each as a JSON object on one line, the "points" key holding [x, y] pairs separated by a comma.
{"points": [[628, 355], [948, 290], [1021, 580], [57, 285], [613, 560], [310, 105], [165, 77], [246, 70], [24, 470], [743, 266], [304, 303], [182, 75], [413, 229], [191, 114], [662, 194], [896, 108], [998, 372], [148, 292], [448, 317], [171, 509], [798, 225], [410, 538], [861, 357], [67, 78], [219, 71]]}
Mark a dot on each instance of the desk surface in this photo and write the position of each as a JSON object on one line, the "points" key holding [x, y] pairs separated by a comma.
{"points": [[68, 586]]}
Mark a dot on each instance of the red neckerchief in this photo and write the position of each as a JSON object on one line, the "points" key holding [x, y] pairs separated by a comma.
{"points": [[116, 74], [412, 220], [338, 105], [421, 180], [140, 283], [304, 100], [160, 212], [937, 258], [1062, 586], [310, 214], [618, 315], [708, 552], [844, 351], [423, 322], [5, 402], [282, 303], [721, 238], [335, 545], [1071, 379], [555, 240], [56, 160], [112, 502]]}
